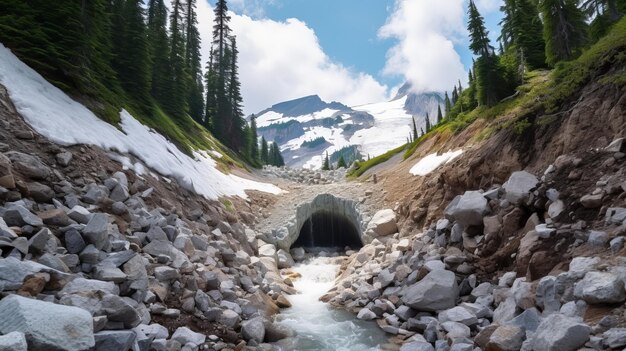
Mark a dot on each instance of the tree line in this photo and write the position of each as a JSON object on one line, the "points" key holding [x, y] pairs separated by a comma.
{"points": [[140, 55]]}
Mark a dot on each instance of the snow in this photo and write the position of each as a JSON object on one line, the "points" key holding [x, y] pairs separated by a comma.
{"points": [[391, 127], [62, 120], [273, 117], [433, 161]]}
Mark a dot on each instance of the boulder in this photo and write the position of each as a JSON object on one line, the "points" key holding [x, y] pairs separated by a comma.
{"points": [[229, 318], [592, 201], [13, 341], [366, 314], [506, 338], [253, 329], [284, 259], [55, 217], [519, 186], [96, 231], [437, 291], [615, 215], [28, 165], [601, 288], [417, 346], [185, 335], [614, 338], [47, 326], [458, 314], [383, 223], [114, 340], [18, 215], [560, 333], [6, 173], [80, 214], [468, 209], [40, 192], [64, 158]]}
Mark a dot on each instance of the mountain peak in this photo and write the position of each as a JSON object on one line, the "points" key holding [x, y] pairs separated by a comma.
{"points": [[304, 106]]}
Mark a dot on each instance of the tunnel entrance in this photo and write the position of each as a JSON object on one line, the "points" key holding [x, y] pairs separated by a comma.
{"points": [[327, 229]]}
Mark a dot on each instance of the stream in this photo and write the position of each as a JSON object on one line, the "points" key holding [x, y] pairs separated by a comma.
{"points": [[318, 326]]}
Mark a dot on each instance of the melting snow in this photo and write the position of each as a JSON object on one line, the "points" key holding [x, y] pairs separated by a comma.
{"points": [[433, 161], [54, 114]]}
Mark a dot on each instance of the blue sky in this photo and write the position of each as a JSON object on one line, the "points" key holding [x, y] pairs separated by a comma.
{"points": [[353, 51]]}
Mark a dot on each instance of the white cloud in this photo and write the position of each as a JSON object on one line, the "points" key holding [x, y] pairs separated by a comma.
{"points": [[488, 6], [426, 31], [279, 61]]}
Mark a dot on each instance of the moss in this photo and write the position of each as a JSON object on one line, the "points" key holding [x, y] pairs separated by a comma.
{"points": [[228, 205], [520, 126]]}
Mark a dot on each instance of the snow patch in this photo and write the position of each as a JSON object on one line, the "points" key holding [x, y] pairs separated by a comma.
{"points": [[433, 161], [64, 121]]}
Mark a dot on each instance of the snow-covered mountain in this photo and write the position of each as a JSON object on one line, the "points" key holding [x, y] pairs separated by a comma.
{"points": [[307, 128]]}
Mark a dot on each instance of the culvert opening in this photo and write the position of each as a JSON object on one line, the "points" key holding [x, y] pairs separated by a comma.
{"points": [[328, 229]]}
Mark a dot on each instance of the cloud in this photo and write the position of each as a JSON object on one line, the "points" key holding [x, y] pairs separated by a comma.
{"points": [[427, 31], [282, 60], [252, 8], [488, 6]]}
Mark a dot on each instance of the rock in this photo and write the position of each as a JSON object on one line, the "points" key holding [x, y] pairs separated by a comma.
{"points": [[53, 262], [64, 158], [119, 208], [615, 215], [506, 338], [560, 333], [437, 291], [386, 277], [164, 273], [268, 250], [79, 285], [55, 217], [617, 145], [6, 172], [80, 214], [600, 287], [119, 193], [614, 338], [556, 208], [28, 165], [366, 314], [95, 193], [229, 318], [6, 231], [74, 242], [109, 274], [505, 311], [579, 266], [154, 330], [597, 238], [96, 231], [468, 209], [458, 314], [383, 223], [39, 241], [40, 192], [47, 326], [519, 186], [592, 201], [18, 215], [185, 335], [13, 341], [616, 244], [114, 340], [284, 259], [119, 309], [528, 320], [253, 329], [417, 346]]}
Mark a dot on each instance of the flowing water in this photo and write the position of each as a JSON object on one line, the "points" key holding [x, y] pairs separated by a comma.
{"points": [[318, 326]]}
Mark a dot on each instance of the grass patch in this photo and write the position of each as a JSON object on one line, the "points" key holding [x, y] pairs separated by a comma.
{"points": [[228, 205], [361, 167]]}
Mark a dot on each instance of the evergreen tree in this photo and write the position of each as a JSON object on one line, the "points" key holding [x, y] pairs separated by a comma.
{"points": [[455, 96], [428, 126], [479, 36], [564, 29], [326, 164], [414, 128], [275, 156], [439, 115], [460, 90], [521, 32], [131, 60], [235, 119], [341, 163], [176, 96], [264, 151], [159, 48], [254, 141], [210, 111], [195, 98], [447, 104]]}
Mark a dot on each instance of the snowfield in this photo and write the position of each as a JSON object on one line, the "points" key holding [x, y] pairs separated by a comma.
{"points": [[55, 115], [433, 161]]}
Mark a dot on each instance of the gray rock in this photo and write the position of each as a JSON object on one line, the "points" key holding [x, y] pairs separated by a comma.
{"points": [[164, 273], [592, 200], [40, 192], [417, 346], [468, 209], [616, 244], [165, 248], [154, 330], [600, 287], [253, 329], [74, 242], [505, 311], [617, 145], [47, 326], [528, 320], [39, 241], [79, 285], [13, 341], [118, 309], [615, 215], [53, 262], [114, 340], [18, 215], [458, 314], [119, 208], [95, 193], [13, 271], [28, 165], [80, 214], [614, 338], [386, 277], [185, 335], [560, 333], [109, 274], [519, 186], [366, 314], [284, 259], [383, 223], [96, 231], [64, 158], [597, 238], [506, 338], [119, 193], [437, 291], [6, 231], [229, 318]]}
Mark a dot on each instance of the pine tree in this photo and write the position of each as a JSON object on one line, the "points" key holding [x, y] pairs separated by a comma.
{"points": [[176, 101], [254, 141], [522, 32], [428, 126], [479, 36], [131, 60], [455, 96], [235, 120], [447, 104], [159, 49], [264, 151], [439, 114], [326, 163], [564, 29], [460, 90], [210, 112], [275, 156], [341, 163], [195, 98], [414, 128]]}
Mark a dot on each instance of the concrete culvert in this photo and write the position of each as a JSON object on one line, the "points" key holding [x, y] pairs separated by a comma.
{"points": [[328, 229]]}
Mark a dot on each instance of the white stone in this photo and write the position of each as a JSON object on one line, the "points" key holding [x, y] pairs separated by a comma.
{"points": [[560, 333], [600, 288], [437, 291], [468, 209], [519, 185], [13, 341], [383, 223], [185, 335]]}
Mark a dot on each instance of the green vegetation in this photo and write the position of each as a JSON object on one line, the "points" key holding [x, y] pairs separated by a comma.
{"points": [[361, 167], [312, 144]]}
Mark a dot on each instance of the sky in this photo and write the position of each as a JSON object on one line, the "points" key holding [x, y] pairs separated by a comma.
{"points": [[351, 51]]}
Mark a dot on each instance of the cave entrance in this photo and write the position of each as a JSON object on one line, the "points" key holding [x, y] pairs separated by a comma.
{"points": [[328, 229]]}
